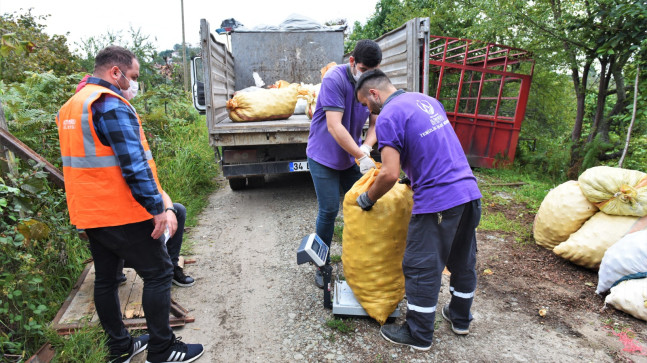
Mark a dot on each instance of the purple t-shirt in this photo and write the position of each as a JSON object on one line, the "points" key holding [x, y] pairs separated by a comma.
{"points": [[337, 94], [430, 154]]}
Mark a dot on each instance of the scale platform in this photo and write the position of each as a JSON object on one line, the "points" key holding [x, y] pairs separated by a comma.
{"points": [[344, 302]]}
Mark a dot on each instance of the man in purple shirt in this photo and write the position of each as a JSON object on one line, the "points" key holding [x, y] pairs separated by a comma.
{"points": [[413, 132], [335, 137]]}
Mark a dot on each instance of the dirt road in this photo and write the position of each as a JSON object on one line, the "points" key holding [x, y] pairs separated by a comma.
{"points": [[253, 303]]}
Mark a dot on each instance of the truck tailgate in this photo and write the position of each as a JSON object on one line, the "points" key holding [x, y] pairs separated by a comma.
{"points": [[293, 130]]}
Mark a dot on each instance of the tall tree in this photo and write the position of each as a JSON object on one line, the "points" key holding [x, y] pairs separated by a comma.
{"points": [[594, 41]]}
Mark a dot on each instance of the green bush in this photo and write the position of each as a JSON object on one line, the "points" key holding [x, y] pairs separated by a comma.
{"points": [[40, 258], [179, 139], [31, 107]]}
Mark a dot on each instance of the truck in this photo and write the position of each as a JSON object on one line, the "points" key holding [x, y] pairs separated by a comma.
{"points": [[249, 151], [484, 88]]}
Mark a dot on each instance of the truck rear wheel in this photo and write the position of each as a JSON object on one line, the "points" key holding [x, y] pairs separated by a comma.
{"points": [[237, 183]]}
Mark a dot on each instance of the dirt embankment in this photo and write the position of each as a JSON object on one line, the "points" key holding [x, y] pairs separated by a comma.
{"points": [[252, 302]]}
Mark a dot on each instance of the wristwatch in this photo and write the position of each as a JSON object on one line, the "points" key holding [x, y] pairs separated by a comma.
{"points": [[171, 209]]}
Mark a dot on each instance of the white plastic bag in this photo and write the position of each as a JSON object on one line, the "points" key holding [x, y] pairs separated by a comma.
{"points": [[627, 257], [631, 297]]}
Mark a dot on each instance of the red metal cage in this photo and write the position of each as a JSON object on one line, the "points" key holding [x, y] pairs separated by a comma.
{"points": [[484, 88]]}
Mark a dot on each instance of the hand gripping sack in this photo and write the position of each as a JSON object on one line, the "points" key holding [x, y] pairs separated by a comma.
{"points": [[616, 191], [586, 247], [631, 297], [373, 246], [625, 259], [263, 104], [561, 213]]}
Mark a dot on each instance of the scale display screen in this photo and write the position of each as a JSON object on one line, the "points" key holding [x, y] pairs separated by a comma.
{"points": [[312, 249]]}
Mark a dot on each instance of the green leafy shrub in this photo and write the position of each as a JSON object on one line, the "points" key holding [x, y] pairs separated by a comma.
{"points": [[40, 258], [31, 107]]}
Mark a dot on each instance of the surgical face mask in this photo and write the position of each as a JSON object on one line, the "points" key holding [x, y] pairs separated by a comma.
{"points": [[358, 74], [131, 92]]}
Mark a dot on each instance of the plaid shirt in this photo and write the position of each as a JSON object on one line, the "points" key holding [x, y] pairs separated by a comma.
{"points": [[116, 126]]}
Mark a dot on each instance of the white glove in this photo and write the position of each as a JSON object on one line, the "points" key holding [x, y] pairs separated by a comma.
{"points": [[365, 164], [366, 149]]}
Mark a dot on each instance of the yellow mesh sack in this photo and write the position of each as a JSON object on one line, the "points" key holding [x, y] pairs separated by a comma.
{"points": [[587, 246], [616, 191], [561, 213], [373, 246], [263, 104]]}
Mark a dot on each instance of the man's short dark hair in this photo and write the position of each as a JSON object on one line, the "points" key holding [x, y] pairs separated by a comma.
{"points": [[368, 53], [113, 55], [371, 79]]}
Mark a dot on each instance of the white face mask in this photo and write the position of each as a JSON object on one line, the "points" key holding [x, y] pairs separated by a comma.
{"points": [[134, 87], [131, 92], [357, 75]]}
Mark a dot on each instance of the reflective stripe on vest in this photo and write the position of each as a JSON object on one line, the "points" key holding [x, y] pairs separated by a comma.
{"points": [[90, 160]]}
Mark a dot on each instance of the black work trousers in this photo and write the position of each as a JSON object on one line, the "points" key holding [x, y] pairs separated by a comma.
{"points": [[149, 257], [436, 240]]}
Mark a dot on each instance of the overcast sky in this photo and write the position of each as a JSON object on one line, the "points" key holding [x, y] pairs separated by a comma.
{"points": [[162, 20]]}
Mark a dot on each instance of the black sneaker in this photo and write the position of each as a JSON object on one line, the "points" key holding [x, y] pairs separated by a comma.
{"points": [[177, 352], [319, 279], [180, 279], [456, 330], [399, 334], [139, 344]]}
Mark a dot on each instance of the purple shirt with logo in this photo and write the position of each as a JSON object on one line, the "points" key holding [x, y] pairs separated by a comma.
{"points": [[337, 94], [430, 154]]}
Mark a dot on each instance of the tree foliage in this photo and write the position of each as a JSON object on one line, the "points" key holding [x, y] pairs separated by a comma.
{"points": [[34, 50], [597, 43]]}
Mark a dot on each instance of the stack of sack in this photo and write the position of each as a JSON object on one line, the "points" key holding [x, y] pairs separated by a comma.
{"points": [[277, 102], [599, 222]]}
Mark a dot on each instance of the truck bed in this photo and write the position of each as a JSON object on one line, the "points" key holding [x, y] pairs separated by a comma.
{"points": [[229, 133]]}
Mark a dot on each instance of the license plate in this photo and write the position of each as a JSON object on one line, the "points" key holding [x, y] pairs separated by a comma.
{"points": [[299, 166]]}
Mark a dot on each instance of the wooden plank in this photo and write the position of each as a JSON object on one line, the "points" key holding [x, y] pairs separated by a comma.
{"points": [[72, 294], [134, 305], [126, 289], [78, 310], [82, 304]]}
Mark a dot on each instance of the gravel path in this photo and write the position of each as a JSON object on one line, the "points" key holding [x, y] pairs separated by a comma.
{"points": [[252, 302]]}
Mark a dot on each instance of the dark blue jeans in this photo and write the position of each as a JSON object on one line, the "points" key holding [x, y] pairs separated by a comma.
{"points": [[329, 184], [149, 257]]}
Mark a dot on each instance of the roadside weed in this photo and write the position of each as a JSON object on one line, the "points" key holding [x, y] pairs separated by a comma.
{"points": [[87, 344], [338, 232], [335, 258], [341, 325]]}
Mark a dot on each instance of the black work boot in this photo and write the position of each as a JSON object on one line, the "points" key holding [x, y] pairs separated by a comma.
{"points": [[399, 334]]}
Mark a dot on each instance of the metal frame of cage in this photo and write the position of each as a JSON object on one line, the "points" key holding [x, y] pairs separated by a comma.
{"points": [[484, 88]]}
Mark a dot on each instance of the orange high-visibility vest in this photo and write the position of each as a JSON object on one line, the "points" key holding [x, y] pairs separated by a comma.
{"points": [[97, 193]]}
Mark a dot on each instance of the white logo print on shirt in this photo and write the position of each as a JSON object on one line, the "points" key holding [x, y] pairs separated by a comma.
{"points": [[426, 106], [437, 120]]}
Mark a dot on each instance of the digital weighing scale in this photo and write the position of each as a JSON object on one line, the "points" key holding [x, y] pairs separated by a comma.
{"points": [[312, 249]]}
